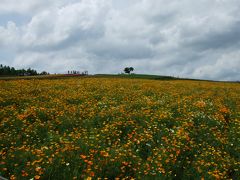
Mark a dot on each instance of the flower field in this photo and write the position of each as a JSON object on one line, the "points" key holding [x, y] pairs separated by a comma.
{"points": [[96, 128]]}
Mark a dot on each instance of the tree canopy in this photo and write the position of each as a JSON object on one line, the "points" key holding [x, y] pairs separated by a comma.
{"points": [[11, 71], [128, 70]]}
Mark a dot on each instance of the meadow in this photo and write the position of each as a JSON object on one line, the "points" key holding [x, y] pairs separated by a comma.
{"points": [[119, 128]]}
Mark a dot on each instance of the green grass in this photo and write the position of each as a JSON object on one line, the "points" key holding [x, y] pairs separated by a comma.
{"points": [[137, 76], [128, 76]]}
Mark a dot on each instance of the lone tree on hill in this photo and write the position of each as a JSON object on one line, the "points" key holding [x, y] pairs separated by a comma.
{"points": [[128, 70]]}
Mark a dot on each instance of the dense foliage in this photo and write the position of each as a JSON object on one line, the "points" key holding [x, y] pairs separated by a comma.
{"points": [[11, 71], [81, 128], [128, 70]]}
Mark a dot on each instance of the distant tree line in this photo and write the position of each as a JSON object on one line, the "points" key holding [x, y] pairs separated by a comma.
{"points": [[11, 71]]}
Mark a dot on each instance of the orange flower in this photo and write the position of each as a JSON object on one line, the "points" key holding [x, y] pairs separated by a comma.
{"points": [[104, 154], [83, 156], [37, 177], [90, 162], [37, 161], [12, 177], [37, 169], [200, 104], [92, 174], [24, 173], [224, 110]]}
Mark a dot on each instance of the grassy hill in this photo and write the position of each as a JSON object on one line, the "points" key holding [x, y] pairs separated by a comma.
{"points": [[128, 76], [137, 76]]}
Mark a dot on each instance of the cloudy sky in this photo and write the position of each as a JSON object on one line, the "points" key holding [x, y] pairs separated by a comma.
{"points": [[194, 39]]}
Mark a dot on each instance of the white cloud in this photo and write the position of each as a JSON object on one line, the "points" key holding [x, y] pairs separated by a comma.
{"points": [[227, 67], [53, 28], [9, 35]]}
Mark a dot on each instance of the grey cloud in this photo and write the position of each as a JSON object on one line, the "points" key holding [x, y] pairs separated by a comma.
{"points": [[229, 37], [19, 20], [121, 50], [197, 39], [30, 7]]}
